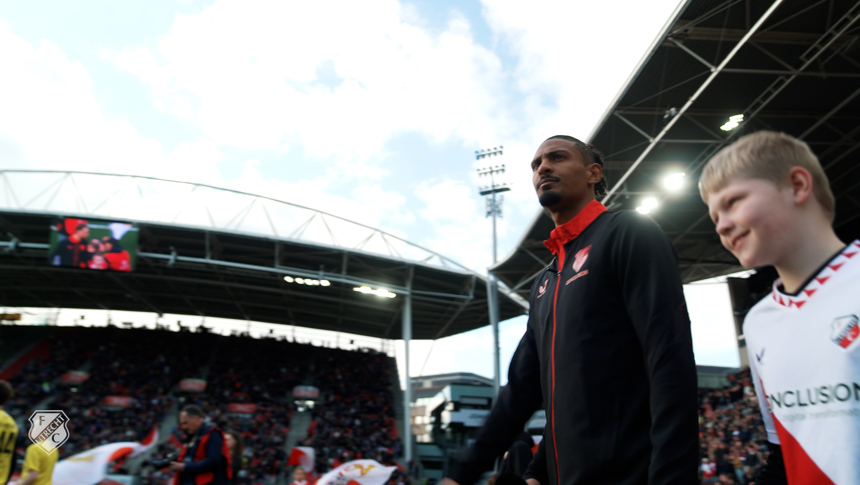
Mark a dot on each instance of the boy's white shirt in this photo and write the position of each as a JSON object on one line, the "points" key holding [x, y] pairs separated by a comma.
{"points": [[804, 354]]}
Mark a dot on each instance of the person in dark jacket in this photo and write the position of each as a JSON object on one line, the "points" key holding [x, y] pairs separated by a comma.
{"points": [[607, 348], [205, 459]]}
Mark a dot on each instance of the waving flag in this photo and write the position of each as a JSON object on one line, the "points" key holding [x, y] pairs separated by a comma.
{"points": [[358, 472], [147, 443], [304, 457], [91, 465]]}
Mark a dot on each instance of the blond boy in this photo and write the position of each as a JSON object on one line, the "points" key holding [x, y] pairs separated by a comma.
{"points": [[770, 200]]}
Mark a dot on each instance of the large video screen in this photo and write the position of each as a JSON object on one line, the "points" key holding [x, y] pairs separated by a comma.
{"points": [[92, 244]]}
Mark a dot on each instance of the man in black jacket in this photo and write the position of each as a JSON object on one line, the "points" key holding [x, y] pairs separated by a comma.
{"points": [[607, 348]]}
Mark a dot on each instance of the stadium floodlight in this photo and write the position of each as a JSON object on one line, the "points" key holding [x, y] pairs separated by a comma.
{"points": [[733, 122], [380, 292], [307, 281], [648, 204], [674, 182]]}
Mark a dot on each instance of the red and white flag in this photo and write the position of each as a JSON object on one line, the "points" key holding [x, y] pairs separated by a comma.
{"points": [[304, 457], [358, 472], [91, 465], [148, 442]]}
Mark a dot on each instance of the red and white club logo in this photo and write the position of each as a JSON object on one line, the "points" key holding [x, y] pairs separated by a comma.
{"points": [[845, 330], [580, 258], [542, 288]]}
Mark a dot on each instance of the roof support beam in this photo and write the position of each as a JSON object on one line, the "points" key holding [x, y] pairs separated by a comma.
{"points": [[451, 320], [772, 56], [528, 280], [844, 154], [808, 57], [791, 72], [695, 56], [704, 128], [830, 114], [847, 137], [693, 99], [632, 125]]}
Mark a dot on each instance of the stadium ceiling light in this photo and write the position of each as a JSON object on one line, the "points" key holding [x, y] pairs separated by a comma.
{"points": [[733, 122], [381, 292], [674, 182], [648, 204], [307, 281]]}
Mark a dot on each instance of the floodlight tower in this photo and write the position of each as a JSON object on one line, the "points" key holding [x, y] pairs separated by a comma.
{"points": [[494, 209]]}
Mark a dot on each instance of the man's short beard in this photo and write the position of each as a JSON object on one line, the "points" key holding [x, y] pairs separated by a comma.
{"points": [[549, 199]]}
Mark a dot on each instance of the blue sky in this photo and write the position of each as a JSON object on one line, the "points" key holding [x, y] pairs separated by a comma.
{"points": [[371, 110]]}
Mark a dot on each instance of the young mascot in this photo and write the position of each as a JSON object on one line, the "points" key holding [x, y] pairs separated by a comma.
{"points": [[770, 200]]}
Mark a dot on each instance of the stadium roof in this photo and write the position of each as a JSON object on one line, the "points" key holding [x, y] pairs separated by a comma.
{"points": [[790, 66], [215, 252]]}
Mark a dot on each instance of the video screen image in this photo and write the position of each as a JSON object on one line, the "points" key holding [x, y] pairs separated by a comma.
{"points": [[93, 244]]}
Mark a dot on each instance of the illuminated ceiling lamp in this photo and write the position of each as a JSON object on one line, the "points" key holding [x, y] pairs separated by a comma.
{"points": [[306, 281], [674, 182], [648, 204], [733, 122], [380, 292]]}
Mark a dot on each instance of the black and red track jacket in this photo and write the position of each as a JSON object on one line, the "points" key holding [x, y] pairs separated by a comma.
{"points": [[608, 350]]}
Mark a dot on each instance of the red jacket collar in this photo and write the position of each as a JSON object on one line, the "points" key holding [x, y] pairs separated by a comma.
{"points": [[568, 231]]}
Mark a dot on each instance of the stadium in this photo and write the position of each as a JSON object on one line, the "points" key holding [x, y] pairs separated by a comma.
{"points": [[287, 274]]}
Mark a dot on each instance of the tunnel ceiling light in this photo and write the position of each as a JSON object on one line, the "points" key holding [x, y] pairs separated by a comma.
{"points": [[674, 182], [733, 122], [381, 292]]}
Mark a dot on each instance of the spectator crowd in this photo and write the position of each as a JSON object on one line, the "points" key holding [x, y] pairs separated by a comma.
{"points": [[353, 418], [732, 438]]}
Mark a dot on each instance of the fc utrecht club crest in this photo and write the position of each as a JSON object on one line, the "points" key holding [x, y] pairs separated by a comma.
{"points": [[844, 331], [48, 429], [580, 258], [542, 288]]}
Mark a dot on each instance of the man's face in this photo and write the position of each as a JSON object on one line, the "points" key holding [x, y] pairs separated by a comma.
{"points": [[562, 178], [189, 424], [83, 232]]}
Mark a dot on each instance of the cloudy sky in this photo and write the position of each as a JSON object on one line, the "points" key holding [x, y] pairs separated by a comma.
{"points": [[370, 110]]}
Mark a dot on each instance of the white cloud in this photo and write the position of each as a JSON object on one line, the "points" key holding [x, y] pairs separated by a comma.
{"points": [[454, 212], [272, 74], [573, 57], [53, 120]]}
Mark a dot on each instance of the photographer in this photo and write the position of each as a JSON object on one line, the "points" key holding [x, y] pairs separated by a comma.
{"points": [[205, 459]]}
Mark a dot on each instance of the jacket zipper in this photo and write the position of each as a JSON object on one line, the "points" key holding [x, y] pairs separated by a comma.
{"points": [[552, 359]]}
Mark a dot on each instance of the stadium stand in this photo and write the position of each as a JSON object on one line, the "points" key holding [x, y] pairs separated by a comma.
{"points": [[732, 437], [354, 415]]}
